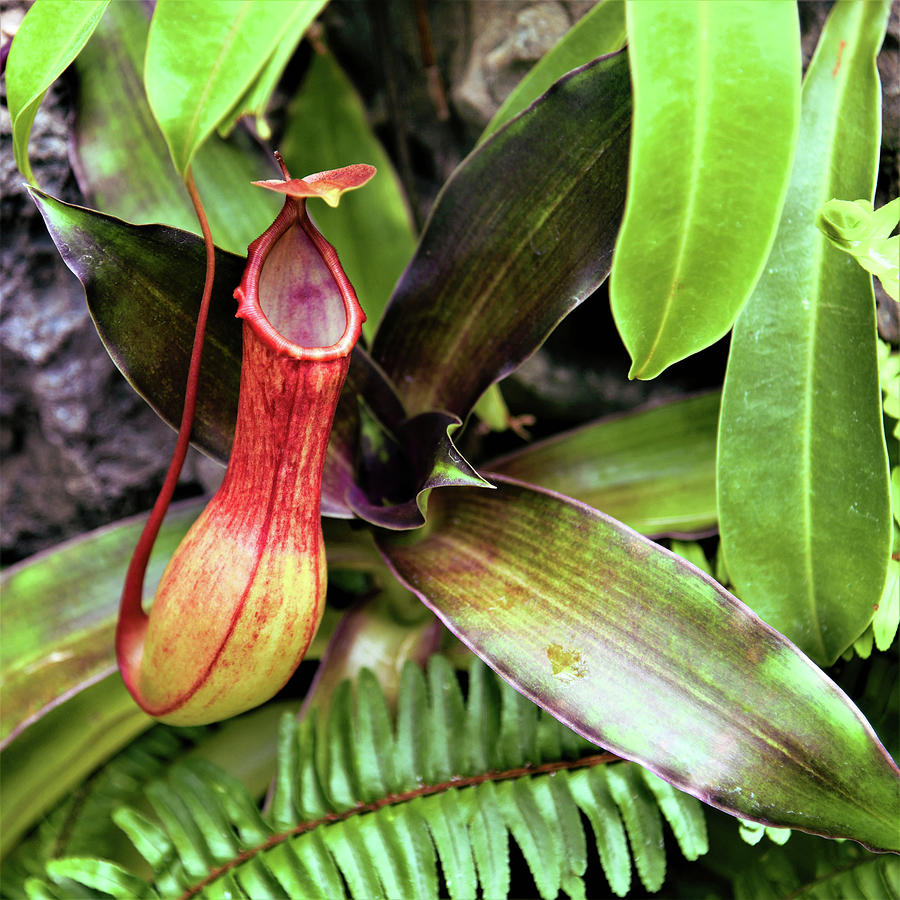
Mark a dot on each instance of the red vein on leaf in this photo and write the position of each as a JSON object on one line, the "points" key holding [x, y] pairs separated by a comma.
{"points": [[132, 618], [393, 800]]}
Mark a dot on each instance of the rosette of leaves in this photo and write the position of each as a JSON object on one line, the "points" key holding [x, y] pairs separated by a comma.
{"points": [[625, 642]]}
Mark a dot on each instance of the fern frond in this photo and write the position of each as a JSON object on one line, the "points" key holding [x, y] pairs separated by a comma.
{"points": [[371, 805], [79, 825]]}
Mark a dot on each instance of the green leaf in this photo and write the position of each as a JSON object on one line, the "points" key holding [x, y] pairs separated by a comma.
{"points": [[132, 177], [806, 868], [716, 102], [80, 825], [203, 55], [641, 653], [804, 508], [533, 834], [653, 469], [590, 789], [520, 235], [49, 38], [887, 617], [601, 30], [60, 749], [59, 613], [447, 827], [258, 95], [327, 127], [682, 813]]}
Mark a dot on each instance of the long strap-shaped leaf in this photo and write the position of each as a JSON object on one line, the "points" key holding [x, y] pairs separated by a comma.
{"points": [[716, 100], [59, 611], [653, 469], [521, 234], [640, 652], [802, 469]]}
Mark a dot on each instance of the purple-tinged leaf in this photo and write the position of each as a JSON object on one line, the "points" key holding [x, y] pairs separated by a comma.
{"points": [[59, 614], [639, 651], [143, 285], [521, 234], [421, 451], [653, 469]]}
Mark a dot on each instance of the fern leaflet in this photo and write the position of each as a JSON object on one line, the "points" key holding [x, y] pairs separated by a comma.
{"points": [[375, 805]]}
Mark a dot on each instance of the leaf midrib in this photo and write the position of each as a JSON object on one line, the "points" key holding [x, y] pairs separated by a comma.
{"points": [[701, 133]]}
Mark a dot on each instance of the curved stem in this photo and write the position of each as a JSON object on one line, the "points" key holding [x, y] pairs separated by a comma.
{"points": [[132, 623]]}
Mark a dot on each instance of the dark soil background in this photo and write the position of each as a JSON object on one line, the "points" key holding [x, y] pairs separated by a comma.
{"points": [[80, 449]]}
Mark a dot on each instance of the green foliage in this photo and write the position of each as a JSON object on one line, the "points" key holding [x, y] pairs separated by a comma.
{"points": [[426, 801], [600, 31], [653, 469], [374, 802], [52, 34], [203, 59], [111, 98], [80, 824], [834, 871], [804, 510], [713, 83]]}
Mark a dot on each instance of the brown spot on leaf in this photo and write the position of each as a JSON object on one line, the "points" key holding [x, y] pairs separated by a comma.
{"points": [[566, 663]]}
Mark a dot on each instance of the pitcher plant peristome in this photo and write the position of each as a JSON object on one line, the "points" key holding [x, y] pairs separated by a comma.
{"points": [[244, 593]]}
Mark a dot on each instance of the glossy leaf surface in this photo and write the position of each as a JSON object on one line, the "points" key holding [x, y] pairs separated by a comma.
{"points": [[143, 285], [716, 88], [654, 469], [600, 31], [59, 611], [520, 235], [203, 55], [49, 38], [638, 651], [804, 507], [327, 127], [132, 177], [255, 100]]}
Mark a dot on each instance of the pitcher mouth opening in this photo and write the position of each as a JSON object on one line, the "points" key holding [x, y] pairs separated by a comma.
{"points": [[322, 324]]}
